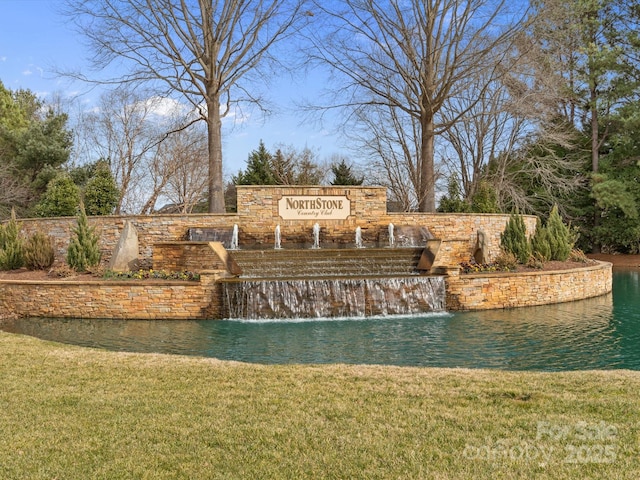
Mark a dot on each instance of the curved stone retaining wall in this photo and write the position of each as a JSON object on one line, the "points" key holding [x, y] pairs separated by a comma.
{"points": [[506, 290], [186, 300]]}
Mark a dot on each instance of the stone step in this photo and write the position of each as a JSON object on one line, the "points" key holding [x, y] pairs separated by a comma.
{"points": [[327, 262]]}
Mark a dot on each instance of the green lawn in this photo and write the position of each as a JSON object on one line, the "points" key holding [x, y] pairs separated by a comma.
{"points": [[74, 413]]}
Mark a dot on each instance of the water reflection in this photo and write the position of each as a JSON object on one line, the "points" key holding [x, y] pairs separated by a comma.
{"points": [[596, 333]]}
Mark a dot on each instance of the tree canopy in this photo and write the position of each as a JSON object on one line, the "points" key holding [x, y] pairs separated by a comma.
{"points": [[201, 51]]}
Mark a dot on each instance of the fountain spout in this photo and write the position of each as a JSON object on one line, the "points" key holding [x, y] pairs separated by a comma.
{"points": [[359, 238], [277, 245], [392, 239], [234, 238], [316, 236]]}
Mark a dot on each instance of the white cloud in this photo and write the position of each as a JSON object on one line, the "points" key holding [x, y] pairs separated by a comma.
{"points": [[236, 117], [27, 72], [3, 59], [165, 107]]}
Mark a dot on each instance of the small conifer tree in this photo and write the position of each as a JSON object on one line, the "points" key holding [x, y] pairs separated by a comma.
{"points": [[343, 175], [514, 238], [83, 251], [452, 202], [485, 200], [11, 244], [101, 192], [540, 242], [560, 238]]}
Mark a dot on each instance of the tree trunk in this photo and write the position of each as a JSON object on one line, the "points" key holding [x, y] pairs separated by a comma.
{"points": [[214, 134], [594, 131], [427, 200], [595, 160]]}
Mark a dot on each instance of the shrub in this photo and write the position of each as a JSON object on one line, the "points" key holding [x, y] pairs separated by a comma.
{"points": [[560, 238], [452, 202], [39, 253], [536, 261], [514, 238], [61, 198], [540, 243], [485, 200], [578, 255], [11, 244], [506, 261], [152, 274], [101, 192], [83, 251]]}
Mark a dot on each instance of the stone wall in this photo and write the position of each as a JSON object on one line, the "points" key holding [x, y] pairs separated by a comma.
{"points": [[151, 229], [258, 217], [110, 299], [180, 256], [191, 300], [506, 290], [161, 241]]}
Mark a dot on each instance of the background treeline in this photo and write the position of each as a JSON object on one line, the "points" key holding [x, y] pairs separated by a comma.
{"points": [[519, 108]]}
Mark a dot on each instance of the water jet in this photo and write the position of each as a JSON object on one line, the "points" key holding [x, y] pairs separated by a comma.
{"points": [[316, 236], [277, 241], [234, 238], [359, 238]]}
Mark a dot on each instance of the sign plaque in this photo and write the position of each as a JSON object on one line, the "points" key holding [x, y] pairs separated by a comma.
{"points": [[307, 207]]}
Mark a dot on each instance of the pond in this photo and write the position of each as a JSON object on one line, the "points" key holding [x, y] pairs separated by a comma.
{"points": [[598, 333]]}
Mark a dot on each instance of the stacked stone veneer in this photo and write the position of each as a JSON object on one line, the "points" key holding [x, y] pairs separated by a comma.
{"points": [[161, 241], [191, 256], [257, 218], [110, 299], [506, 290]]}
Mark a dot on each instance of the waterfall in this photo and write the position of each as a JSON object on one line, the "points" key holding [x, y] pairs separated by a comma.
{"points": [[342, 297], [392, 239]]}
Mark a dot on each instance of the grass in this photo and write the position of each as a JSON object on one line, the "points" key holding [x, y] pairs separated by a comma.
{"points": [[69, 413]]}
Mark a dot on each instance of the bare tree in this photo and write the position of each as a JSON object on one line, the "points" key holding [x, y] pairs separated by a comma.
{"points": [[293, 166], [406, 58], [514, 133], [391, 139], [13, 191], [206, 51], [122, 130], [184, 167]]}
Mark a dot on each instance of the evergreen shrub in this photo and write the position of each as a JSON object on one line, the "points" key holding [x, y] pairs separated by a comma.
{"points": [[560, 238], [541, 243], [83, 251], [514, 239], [39, 253], [11, 245]]}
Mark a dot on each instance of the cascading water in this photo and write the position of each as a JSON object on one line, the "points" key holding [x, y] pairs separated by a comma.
{"points": [[333, 297], [392, 239]]}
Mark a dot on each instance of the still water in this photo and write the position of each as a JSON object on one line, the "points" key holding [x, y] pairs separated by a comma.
{"points": [[599, 333]]}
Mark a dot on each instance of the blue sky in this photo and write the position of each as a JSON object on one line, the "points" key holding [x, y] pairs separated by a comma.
{"points": [[35, 41]]}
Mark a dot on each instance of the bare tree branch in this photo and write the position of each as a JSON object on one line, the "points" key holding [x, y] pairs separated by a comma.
{"points": [[206, 51], [394, 58]]}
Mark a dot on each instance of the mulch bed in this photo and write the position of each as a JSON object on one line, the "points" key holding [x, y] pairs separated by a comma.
{"points": [[621, 261]]}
